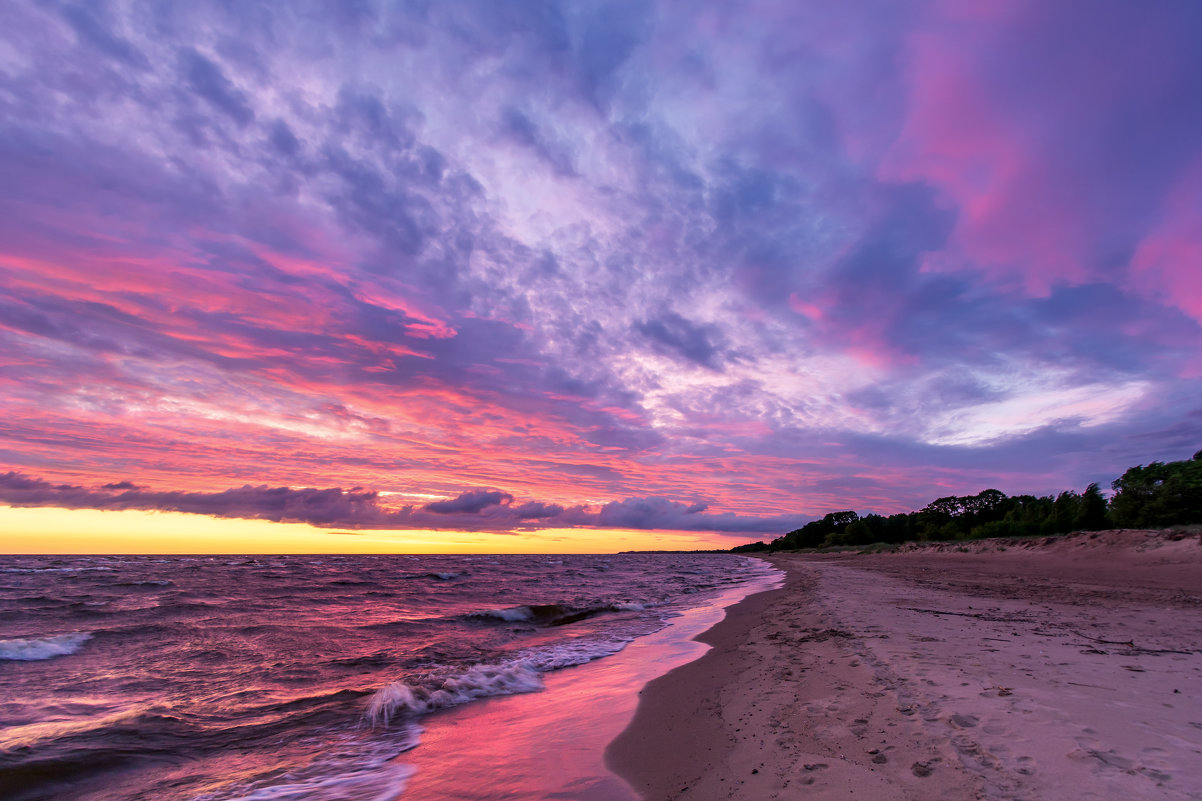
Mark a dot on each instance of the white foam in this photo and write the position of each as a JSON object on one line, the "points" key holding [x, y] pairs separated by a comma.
{"points": [[514, 614], [572, 653], [350, 768], [32, 650], [426, 693], [433, 691], [378, 784]]}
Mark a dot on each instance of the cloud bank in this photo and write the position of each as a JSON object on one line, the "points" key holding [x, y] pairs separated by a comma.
{"points": [[474, 510]]}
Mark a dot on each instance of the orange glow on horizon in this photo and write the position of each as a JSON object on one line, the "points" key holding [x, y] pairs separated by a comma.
{"points": [[53, 530]]}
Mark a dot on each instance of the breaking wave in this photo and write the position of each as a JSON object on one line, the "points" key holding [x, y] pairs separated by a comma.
{"points": [[551, 614], [432, 691], [440, 689], [34, 649]]}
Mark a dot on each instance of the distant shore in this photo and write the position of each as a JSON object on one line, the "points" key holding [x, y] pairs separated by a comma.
{"points": [[1059, 668]]}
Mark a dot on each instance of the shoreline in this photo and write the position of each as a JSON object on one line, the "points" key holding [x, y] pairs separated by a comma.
{"points": [[498, 747], [1043, 672]]}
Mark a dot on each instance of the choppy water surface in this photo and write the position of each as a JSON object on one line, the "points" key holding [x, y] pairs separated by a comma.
{"points": [[293, 678]]}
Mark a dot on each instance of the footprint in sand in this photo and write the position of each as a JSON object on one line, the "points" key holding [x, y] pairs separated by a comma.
{"points": [[1088, 751]]}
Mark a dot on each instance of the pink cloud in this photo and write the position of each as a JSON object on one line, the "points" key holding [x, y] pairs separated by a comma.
{"points": [[1168, 263], [1014, 221], [1054, 139]]}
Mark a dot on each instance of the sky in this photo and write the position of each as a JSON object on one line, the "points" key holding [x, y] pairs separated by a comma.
{"points": [[584, 276]]}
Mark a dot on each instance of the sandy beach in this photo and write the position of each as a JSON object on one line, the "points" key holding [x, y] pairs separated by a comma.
{"points": [[1033, 669]]}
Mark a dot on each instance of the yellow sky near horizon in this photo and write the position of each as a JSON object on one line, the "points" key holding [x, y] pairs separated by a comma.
{"points": [[53, 530]]}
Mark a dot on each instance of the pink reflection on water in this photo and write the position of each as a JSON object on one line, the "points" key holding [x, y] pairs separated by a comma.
{"points": [[551, 745]]}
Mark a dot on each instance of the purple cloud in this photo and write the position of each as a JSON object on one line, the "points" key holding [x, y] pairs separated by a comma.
{"points": [[207, 80], [470, 503], [281, 504], [475, 510]]}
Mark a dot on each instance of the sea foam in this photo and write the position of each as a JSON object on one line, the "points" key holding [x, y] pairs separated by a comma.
{"points": [[437, 690], [433, 691], [32, 650], [365, 777], [512, 615]]}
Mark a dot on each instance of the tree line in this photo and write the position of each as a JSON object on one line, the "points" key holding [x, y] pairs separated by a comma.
{"points": [[1156, 495]]}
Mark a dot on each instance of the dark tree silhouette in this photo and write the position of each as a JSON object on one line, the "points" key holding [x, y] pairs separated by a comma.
{"points": [[1146, 496]]}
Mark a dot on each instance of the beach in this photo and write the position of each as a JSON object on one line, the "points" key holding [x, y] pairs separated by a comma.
{"points": [[1046, 669]]}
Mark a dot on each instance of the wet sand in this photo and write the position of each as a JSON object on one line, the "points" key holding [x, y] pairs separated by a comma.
{"points": [[1059, 669]]}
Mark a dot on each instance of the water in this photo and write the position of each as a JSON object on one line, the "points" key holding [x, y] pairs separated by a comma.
{"points": [[296, 678]]}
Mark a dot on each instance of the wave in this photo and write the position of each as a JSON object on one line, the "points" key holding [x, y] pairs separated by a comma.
{"points": [[441, 689], [434, 691], [35, 649], [574, 652], [366, 770], [384, 782], [45, 764], [440, 576], [516, 614], [87, 735], [551, 614]]}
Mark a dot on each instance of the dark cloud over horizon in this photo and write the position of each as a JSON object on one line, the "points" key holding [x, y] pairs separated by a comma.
{"points": [[473, 510]]}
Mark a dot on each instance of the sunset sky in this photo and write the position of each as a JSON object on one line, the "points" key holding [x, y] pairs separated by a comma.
{"points": [[584, 276]]}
